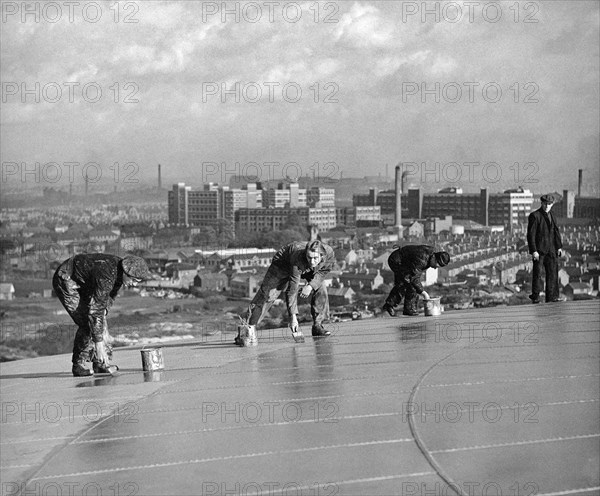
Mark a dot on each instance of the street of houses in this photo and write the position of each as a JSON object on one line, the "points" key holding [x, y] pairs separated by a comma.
{"points": [[496, 263]]}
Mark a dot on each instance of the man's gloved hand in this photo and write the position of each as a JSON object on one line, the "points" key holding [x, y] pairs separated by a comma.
{"points": [[535, 255], [101, 354], [425, 295], [306, 290], [294, 323], [560, 252]]}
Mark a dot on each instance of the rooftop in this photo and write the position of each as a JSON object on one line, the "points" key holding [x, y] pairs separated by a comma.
{"points": [[497, 401]]}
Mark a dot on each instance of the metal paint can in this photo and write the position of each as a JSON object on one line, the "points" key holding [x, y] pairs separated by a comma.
{"points": [[433, 307], [153, 375], [247, 334], [152, 359]]}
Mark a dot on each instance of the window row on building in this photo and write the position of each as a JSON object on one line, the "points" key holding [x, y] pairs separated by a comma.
{"points": [[507, 208], [251, 207]]}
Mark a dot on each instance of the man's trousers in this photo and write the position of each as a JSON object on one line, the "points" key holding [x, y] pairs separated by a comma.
{"points": [[549, 262], [67, 291]]}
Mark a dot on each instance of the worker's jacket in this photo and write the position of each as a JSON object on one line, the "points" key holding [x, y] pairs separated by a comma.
{"points": [[291, 260], [98, 278]]}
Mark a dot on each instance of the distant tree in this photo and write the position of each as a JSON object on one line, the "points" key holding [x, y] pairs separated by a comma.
{"points": [[225, 232], [171, 236], [277, 239], [207, 236], [293, 222], [244, 239], [269, 239]]}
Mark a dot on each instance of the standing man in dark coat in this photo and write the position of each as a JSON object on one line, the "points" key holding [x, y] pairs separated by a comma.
{"points": [[310, 261], [545, 246], [408, 263], [87, 285]]}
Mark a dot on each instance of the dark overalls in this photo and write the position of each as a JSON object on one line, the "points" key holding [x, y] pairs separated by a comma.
{"points": [[86, 285], [408, 264]]}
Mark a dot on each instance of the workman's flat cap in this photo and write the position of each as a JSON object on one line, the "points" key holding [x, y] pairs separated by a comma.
{"points": [[442, 258]]}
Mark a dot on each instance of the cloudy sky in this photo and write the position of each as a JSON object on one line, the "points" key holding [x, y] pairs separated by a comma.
{"points": [[358, 84]]}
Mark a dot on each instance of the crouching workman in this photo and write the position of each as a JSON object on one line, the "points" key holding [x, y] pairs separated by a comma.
{"points": [[298, 260], [408, 263], [87, 285]]}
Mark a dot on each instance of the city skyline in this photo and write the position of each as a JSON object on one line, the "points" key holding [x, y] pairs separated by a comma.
{"points": [[108, 188]]}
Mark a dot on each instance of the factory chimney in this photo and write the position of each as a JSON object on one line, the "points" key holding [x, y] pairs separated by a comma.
{"points": [[159, 178], [580, 182], [404, 175], [398, 222]]}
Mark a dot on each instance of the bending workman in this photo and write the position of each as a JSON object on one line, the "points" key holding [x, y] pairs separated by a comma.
{"points": [[408, 264], [87, 285]]}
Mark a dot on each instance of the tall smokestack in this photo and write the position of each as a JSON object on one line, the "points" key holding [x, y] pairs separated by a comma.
{"points": [[86, 184], [404, 175], [159, 178], [580, 182], [398, 223]]}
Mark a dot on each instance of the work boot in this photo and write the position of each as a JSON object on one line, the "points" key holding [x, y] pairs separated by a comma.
{"points": [[410, 307], [101, 368], [389, 309], [319, 331], [79, 370], [534, 299], [246, 336]]}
